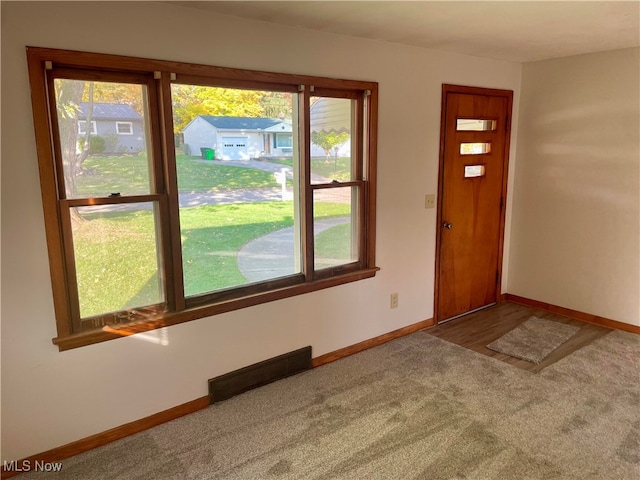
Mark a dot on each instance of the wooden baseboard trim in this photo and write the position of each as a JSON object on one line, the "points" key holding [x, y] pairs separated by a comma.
{"points": [[100, 439], [575, 314], [74, 448], [372, 342]]}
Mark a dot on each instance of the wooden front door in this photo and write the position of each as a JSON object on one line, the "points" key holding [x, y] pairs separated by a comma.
{"points": [[472, 186]]}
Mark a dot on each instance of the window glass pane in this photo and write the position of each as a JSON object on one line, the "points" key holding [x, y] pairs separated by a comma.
{"points": [[468, 124], [100, 162], [82, 127], [471, 171], [116, 257], [335, 226], [124, 128], [284, 140], [331, 150], [474, 148], [236, 154]]}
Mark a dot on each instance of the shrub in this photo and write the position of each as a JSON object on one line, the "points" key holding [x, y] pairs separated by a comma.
{"points": [[111, 142], [97, 145]]}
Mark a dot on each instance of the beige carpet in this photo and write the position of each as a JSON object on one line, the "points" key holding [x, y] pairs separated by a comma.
{"points": [[414, 408], [534, 339]]}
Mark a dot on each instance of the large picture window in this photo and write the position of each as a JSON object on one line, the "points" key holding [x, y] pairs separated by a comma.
{"points": [[205, 216]]}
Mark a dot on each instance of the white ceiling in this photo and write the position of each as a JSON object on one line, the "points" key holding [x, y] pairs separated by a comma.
{"points": [[518, 31]]}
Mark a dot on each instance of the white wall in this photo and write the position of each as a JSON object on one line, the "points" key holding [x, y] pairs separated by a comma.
{"points": [[575, 238], [200, 134], [51, 398]]}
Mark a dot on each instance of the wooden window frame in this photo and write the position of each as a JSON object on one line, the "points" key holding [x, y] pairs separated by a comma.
{"points": [[71, 333]]}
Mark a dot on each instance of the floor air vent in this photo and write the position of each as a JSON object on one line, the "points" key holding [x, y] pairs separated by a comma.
{"points": [[259, 374]]}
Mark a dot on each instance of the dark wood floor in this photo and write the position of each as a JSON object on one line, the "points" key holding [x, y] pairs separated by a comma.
{"points": [[476, 330]]}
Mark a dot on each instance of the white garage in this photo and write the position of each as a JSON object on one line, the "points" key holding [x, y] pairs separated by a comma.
{"points": [[235, 148], [238, 138]]}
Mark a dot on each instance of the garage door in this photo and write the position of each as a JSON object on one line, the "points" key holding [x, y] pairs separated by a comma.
{"points": [[235, 148]]}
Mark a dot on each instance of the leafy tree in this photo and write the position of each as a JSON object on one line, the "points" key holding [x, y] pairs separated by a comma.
{"points": [[329, 140], [121, 93], [69, 95], [277, 105], [189, 101]]}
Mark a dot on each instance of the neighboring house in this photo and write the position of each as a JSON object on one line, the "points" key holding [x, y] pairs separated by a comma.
{"points": [[239, 138], [121, 127], [331, 115]]}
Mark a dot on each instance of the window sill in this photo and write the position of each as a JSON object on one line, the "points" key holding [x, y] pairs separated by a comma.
{"points": [[112, 332]]}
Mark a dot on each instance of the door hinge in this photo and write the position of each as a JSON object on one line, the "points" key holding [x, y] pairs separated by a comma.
{"points": [[501, 203], [507, 123], [497, 276]]}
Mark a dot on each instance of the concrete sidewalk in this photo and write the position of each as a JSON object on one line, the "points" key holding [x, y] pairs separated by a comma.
{"points": [[271, 255]]}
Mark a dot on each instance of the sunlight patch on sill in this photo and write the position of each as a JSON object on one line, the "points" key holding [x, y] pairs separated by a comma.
{"points": [[159, 336]]}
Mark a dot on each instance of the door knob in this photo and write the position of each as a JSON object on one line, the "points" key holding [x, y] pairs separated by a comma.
{"points": [[447, 225]]}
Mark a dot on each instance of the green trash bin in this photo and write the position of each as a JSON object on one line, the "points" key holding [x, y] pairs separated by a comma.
{"points": [[208, 153]]}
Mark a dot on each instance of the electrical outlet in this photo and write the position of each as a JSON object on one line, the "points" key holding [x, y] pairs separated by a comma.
{"points": [[394, 300], [430, 201]]}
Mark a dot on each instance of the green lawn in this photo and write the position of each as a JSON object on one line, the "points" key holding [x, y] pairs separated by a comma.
{"points": [[116, 262], [203, 177], [129, 175], [339, 169], [333, 246], [211, 237]]}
